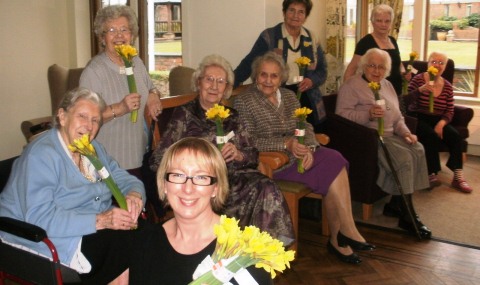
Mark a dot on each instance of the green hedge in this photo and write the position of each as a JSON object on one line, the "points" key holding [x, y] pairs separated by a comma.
{"points": [[448, 25]]}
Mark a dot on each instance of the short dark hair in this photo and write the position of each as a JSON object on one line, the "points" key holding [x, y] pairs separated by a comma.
{"points": [[308, 5]]}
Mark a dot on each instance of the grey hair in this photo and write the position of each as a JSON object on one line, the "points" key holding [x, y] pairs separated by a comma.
{"points": [[366, 57], [380, 9], [214, 60], [437, 53], [113, 12], [73, 96], [269, 57]]}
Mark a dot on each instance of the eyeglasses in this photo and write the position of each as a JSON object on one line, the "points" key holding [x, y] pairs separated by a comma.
{"points": [[437, 62], [201, 180], [211, 80], [378, 67], [115, 31]]}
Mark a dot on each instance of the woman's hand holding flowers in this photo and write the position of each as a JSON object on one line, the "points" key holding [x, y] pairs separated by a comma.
{"points": [[135, 204], [115, 219], [376, 112], [230, 153], [305, 84], [300, 151]]}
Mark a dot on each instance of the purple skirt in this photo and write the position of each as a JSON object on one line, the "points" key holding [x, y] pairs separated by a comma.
{"points": [[327, 164]]}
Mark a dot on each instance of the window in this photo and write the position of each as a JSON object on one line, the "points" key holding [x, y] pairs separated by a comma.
{"points": [[450, 28]]}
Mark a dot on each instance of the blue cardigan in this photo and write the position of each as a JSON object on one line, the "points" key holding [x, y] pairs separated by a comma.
{"points": [[46, 188]]}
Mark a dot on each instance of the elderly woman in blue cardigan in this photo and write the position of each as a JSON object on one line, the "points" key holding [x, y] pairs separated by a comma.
{"points": [[291, 40], [60, 191]]}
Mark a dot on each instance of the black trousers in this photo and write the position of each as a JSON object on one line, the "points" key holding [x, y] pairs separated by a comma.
{"points": [[432, 143]]}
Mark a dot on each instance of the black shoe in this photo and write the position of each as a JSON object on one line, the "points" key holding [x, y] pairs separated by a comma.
{"points": [[406, 224], [391, 211], [352, 258], [343, 241]]}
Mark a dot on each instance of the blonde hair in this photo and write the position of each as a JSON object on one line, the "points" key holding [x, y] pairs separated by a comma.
{"points": [[380, 9], [207, 156]]}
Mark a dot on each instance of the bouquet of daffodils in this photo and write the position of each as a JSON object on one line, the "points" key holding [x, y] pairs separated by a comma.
{"points": [[375, 87], [302, 63], [413, 56], [301, 115], [127, 52], [236, 250], [217, 114], [432, 72], [85, 148]]}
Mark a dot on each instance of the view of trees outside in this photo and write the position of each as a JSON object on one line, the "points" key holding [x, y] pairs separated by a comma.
{"points": [[453, 29]]}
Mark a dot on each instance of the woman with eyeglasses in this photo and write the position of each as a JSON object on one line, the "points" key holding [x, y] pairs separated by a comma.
{"points": [[434, 127], [106, 75], [356, 101], [254, 199], [381, 19], [291, 40], [192, 178]]}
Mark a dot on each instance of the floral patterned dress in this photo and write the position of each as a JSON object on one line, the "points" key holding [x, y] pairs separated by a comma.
{"points": [[254, 198]]}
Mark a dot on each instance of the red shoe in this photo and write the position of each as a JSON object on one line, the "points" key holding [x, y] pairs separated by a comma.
{"points": [[462, 186]]}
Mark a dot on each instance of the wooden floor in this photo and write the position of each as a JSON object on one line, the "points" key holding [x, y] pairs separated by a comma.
{"points": [[398, 259]]}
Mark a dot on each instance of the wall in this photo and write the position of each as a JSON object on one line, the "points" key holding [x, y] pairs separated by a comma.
{"points": [[230, 28], [35, 35]]}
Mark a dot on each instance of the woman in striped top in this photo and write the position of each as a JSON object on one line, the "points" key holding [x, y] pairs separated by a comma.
{"points": [[434, 127]]}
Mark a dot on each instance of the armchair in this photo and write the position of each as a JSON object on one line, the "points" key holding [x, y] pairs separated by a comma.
{"points": [[462, 115], [359, 145], [60, 80]]}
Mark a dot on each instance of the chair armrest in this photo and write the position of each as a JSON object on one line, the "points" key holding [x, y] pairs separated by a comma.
{"points": [[270, 161], [411, 123], [32, 127], [462, 116], [22, 229], [322, 139]]}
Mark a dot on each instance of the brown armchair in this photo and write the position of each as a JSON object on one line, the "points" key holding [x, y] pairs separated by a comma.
{"points": [[462, 115], [60, 80]]}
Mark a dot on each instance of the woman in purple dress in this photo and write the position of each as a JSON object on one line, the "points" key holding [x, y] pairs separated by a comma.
{"points": [[267, 110], [254, 198]]}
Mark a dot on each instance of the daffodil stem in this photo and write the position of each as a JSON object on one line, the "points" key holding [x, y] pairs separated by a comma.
{"points": [[301, 140], [117, 194], [132, 86], [220, 133], [234, 266]]}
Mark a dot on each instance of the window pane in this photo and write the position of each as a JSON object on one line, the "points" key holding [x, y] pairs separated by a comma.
{"points": [[454, 31], [165, 41], [350, 27]]}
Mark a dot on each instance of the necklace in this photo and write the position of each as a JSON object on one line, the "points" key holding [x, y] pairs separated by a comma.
{"points": [[121, 68], [84, 169]]}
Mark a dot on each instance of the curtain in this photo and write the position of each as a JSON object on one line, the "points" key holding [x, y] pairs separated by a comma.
{"points": [[397, 6], [335, 38]]}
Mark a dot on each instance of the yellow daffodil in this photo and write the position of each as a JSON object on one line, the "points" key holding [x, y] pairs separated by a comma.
{"points": [[247, 247], [218, 113], [84, 147], [413, 55], [307, 44], [301, 115], [127, 52], [375, 87], [432, 72], [302, 63]]}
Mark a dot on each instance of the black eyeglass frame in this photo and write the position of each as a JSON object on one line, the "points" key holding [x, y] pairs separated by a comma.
{"points": [[213, 180]]}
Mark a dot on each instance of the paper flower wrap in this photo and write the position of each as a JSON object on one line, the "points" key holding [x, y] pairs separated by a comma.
{"points": [[413, 56], [432, 72], [236, 250], [375, 87], [217, 114], [127, 52], [301, 115], [302, 63], [85, 148]]}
